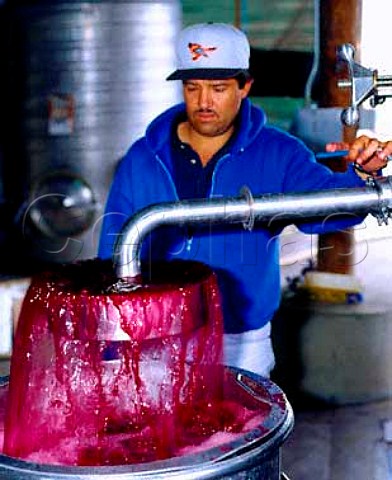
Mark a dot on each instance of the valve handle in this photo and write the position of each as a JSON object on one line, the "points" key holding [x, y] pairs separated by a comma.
{"points": [[362, 82]]}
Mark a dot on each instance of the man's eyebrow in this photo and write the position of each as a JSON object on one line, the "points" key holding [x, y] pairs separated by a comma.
{"points": [[216, 83]]}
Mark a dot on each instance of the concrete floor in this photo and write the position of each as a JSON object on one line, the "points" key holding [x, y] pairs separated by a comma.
{"points": [[352, 441], [344, 443]]}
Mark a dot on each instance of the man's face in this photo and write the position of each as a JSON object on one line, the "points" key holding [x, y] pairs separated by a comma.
{"points": [[212, 105]]}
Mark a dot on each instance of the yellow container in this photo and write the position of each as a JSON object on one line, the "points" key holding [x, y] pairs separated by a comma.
{"points": [[333, 287]]}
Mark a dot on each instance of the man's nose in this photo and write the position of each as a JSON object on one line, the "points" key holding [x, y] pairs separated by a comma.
{"points": [[205, 98]]}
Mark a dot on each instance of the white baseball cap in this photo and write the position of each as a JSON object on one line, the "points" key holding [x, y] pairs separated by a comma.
{"points": [[211, 50]]}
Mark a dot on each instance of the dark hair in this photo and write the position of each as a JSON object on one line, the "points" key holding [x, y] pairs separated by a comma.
{"points": [[242, 78]]}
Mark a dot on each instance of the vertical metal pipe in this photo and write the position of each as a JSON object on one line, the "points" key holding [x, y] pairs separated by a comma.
{"points": [[237, 13], [340, 22]]}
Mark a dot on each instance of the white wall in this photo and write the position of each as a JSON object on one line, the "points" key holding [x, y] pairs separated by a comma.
{"points": [[376, 54]]}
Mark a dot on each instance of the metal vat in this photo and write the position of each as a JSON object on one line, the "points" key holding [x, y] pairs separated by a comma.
{"points": [[82, 81], [253, 455]]}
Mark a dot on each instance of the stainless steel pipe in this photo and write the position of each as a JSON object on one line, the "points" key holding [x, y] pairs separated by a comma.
{"points": [[374, 198]]}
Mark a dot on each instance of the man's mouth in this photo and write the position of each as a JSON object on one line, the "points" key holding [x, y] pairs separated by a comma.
{"points": [[205, 115]]}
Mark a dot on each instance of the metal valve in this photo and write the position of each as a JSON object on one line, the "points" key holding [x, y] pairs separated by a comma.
{"points": [[364, 84], [382, 186]]}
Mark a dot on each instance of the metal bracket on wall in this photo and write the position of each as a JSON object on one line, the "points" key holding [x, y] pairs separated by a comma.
{"points": [[364, 84]]}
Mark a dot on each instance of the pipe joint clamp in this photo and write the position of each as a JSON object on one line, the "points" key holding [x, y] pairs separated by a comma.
{"points": [[383, 211], [249, 223]]}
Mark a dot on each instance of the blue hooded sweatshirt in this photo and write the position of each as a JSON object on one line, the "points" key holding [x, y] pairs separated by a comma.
{"points": [[262, 158]]}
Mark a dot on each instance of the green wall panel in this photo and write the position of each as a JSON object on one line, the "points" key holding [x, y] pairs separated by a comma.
{"points": [[282, 24]]}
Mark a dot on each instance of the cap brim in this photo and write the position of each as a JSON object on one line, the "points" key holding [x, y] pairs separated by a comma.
{"points": [[206, 73]]}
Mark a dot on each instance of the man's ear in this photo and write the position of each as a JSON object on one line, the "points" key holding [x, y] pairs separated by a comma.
{"points": [[246, 89]]}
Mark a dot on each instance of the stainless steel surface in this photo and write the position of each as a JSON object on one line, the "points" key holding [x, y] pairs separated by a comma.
{"points": [[105, 64], [375, 198], [254, 455], [364, 84], [61, 205]]}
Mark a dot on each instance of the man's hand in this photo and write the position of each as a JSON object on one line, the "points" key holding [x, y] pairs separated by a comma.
{"points": [[369, 155]]}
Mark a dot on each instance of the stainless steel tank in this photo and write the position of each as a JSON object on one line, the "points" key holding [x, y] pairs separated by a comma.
{"points": [[82, 81], [255, 455]]}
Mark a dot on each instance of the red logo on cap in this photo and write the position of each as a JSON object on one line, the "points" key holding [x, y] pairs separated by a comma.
{"points": [[198, 51]]}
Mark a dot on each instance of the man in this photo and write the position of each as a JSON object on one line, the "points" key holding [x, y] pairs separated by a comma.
{"points": [[212, 145]]}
